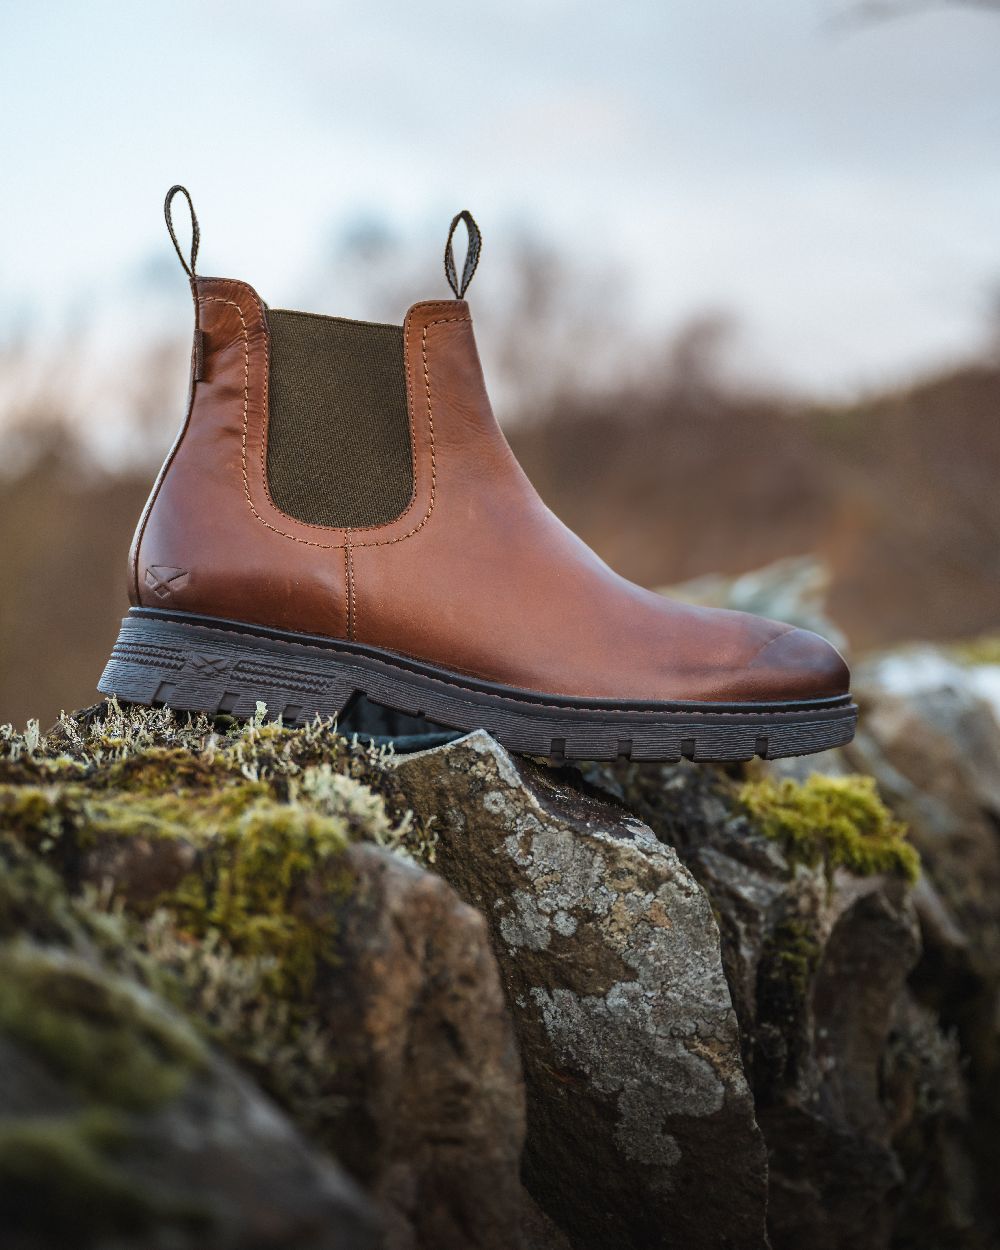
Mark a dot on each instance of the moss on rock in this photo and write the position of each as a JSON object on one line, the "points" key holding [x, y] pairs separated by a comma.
{"points": [[260, 871], [975, 651], [56, 1176], [33, 900], [792, 956], [266, 811], [105, 1038], [839, 822], [151, 753], [780, 1038], [204, 859]]}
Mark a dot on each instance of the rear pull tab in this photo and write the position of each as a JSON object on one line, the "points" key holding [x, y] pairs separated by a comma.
{"points": [[471, 256], [198, 346], [189, 265]]}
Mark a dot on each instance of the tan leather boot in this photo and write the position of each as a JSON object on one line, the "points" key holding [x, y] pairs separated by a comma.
{"points": [[341, 513]]}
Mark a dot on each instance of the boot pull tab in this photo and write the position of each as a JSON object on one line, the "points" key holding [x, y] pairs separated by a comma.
{"points": [[471, 256], [198, 346], [189, 266]]}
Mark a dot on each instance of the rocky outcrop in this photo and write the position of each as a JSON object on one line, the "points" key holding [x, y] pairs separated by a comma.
{"points": [[416, 1085], [119, 1125], [351, 983], [930, 736], [625, 1000], [427, 1070], [817, 956], [683, 1006], [641, 1123]]}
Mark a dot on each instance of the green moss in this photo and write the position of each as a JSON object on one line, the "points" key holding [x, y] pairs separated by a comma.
{"points": [[792, 956], [165, 770], [263, 882], [780, 1031], [107, 1039], [59, 1180], [839, 822], [267, 810], [178, 814], [256, 859], [232, 930], [33, 900], [40, 814], [983, 650], [53, 1170], [83, 815], [151, 751]]}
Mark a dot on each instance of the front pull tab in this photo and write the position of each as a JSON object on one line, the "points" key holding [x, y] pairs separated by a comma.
{"points": [[471, 256], [189, 266]]}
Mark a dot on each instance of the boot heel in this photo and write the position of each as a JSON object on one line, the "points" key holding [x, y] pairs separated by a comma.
{"points": [[169, 663]]}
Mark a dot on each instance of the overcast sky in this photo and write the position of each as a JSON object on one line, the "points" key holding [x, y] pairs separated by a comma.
{"points": [[838, 189]]}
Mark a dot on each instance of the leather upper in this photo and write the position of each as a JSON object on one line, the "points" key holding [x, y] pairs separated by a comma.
{"points": [[476, 575]]}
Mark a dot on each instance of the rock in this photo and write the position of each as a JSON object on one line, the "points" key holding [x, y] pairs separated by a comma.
{"points": [[933, 744], [930, 736], [539, 1232], [423, 1097], [925, 1090], [428, 1070], [120, 1127], [810, 884], [705, 970], [268, 892], [932, 740], [641, 1127]]}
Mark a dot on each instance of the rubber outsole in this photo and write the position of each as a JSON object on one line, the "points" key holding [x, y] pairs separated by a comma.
{"points": [[202, 664]]}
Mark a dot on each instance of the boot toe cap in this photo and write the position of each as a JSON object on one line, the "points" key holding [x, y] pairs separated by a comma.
{"points": [[799, 664]]}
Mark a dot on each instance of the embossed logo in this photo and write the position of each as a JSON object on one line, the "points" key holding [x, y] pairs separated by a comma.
{"points": [[163, 579], [207, 665]]}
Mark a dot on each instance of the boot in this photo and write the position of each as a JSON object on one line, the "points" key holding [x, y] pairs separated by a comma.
{"points": [[341, 513]]}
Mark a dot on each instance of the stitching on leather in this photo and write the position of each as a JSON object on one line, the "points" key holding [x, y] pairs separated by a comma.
{"points": [[608, 706], [385, 542], [352, 607], [347, 589]]}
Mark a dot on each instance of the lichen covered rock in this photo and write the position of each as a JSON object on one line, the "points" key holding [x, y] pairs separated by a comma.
{"points": [[641, 1123], [859, 1092]]}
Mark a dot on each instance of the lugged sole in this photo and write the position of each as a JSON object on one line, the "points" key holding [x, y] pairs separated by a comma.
{"points": [[201, 664]]}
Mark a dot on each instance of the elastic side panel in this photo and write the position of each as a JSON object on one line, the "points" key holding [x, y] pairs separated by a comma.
{"points": [[338, 441]]}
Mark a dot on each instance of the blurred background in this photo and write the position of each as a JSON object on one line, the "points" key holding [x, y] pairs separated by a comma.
{"points": [[739, 297]]}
